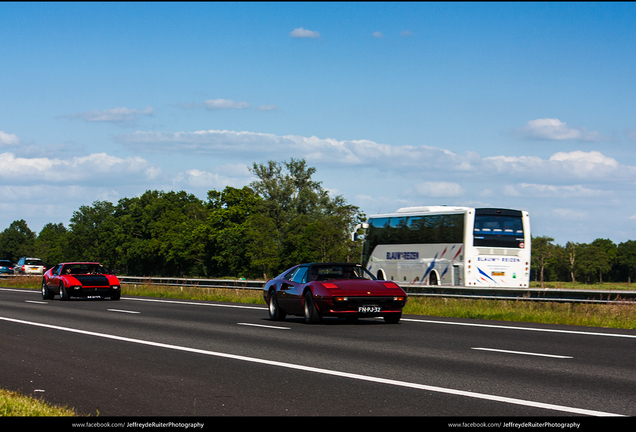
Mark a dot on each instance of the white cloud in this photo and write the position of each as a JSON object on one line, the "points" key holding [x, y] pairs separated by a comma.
{"points": [[8, 139], [94, 167], [438, 189], [560, 166], [121, 115], [576, 164], [406, 33], [569, 214], [542, 190], [552, 129], [302, 33], [235, 175], [215, 104], [377, 35], [314, 149]]}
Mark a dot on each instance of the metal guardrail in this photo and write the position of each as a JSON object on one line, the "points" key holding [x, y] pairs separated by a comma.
{"points": [[534, 294], [530, 294], [201, 283]]}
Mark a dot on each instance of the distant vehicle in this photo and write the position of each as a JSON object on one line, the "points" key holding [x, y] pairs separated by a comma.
{"points": [[6, 267], [342, 290], [458, 246], [29, 266], [80, 279]]}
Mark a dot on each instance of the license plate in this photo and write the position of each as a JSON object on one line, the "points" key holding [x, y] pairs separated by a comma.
{"points": [[34, 268], [498, 273], [369, 309]]}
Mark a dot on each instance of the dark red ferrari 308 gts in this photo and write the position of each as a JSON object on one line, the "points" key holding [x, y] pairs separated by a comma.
{"points": [[80, 279], [332, 289]]}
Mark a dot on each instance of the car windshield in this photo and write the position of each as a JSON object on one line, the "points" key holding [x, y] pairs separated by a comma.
{"points": [[6, 264], [33, 261], [84, 269], [338, 271]]}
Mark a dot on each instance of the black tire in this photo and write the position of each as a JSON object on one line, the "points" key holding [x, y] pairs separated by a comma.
{"points": [[311, 313], [63, 293], [393, 318], [432, 279], [275, 313], [115, 296], [46, 294]]}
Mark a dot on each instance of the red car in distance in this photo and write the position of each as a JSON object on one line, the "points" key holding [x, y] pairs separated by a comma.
{"points": [[80, 279], [342, 290]]}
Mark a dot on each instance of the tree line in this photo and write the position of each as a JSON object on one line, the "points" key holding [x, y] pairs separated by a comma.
{"points": [[279, 220], [599, 261]]}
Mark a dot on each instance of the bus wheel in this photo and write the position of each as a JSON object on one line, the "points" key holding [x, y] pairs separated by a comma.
{"points": [[432, 279]]}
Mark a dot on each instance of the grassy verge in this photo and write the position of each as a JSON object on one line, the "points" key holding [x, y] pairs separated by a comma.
{"points": [[13, 404], [612, 286], [620, 316]]}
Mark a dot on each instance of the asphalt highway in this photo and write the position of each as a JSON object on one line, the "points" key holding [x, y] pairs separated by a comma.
{"points": [[162, 357]]}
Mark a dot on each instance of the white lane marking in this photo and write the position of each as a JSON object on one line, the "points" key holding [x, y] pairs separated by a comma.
{"points": [[522, 352], [123, 311], [329, 372], [266, 326], [196, 303], [522, 328], [36, 302], [30, 291]]}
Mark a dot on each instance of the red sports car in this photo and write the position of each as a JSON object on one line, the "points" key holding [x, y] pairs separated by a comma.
{"points": [[332, 289], [80, 279]]}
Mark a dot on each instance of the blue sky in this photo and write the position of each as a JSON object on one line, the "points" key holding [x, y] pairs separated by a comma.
{"points": [[517, 105]]}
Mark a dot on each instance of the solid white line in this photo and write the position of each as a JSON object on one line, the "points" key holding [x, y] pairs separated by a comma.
{"points": [[522, 328], [36, 302], [123, 311], [521, 352], [328, 372], [266, 326]]}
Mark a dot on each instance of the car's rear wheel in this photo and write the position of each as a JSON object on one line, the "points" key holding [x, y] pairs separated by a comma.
{"points": [[275, 314], [115, 296], [311, 313], [393, 318]]}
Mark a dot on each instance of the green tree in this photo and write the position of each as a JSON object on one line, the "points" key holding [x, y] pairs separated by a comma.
{"points": [[50, 244], [626, 256], [542, 251], [592, 261], [228, 231], [571, 250], [17, 241], [608, 255], [309, 224], [160, 233], [90, 236]]}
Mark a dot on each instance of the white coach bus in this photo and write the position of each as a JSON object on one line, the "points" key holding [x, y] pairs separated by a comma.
{"points": [[457, 246]]}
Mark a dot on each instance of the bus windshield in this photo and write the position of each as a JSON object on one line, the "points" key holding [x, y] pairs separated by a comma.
{"points": [[498, 228]]}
